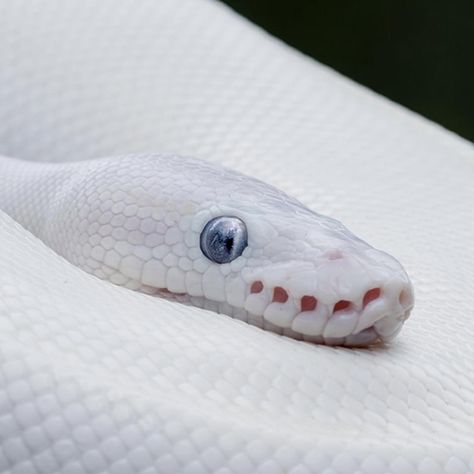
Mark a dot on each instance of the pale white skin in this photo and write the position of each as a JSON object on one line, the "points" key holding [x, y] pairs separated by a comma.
{"points": [[136, 221]]}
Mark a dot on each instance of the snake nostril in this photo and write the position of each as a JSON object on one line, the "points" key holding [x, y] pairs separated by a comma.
{"points": [[405, 298], [341, 305], [371, 295], [308, 303], [334, 254], [257, 287], [280, 295]]}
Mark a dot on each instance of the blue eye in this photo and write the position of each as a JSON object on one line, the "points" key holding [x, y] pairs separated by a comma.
{"points": [[223, 239]]}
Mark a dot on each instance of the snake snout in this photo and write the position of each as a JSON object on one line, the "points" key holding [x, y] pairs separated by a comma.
{"points": [[383, 311], [369, 310]]}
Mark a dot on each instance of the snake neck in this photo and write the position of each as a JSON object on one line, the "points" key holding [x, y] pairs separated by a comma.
{"points": [[29, 191]]}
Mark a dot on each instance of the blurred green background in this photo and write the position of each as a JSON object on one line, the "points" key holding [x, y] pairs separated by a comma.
{"points": [[418, 53]]}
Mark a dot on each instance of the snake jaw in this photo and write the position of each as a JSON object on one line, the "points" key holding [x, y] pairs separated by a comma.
{"points": [[370, 310], [347, 298]]}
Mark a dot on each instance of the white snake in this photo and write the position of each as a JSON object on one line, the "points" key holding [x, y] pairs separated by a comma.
{"points": [[139, 221], [96, 378]]}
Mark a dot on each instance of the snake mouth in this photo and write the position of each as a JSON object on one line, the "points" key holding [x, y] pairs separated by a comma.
{"points": [[375, 316]]}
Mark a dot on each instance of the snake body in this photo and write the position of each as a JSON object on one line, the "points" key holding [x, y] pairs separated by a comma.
{"points": [[137, 220], [97, 378]]}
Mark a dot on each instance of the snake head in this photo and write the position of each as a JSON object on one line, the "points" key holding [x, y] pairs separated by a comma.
{"points": [[303, 274], [211, 237]]}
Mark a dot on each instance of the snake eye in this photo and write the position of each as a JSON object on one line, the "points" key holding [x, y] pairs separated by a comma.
{"points": [[223, 239]]}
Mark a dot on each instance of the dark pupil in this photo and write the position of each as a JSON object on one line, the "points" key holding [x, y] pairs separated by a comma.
{"points": [[229, 243]]}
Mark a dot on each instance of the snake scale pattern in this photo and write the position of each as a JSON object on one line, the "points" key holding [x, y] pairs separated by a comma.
{"points": [[138, 221], [96, 378]]}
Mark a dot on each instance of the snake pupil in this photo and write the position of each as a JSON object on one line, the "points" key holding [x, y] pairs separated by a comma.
{"points": [[229, 243]]}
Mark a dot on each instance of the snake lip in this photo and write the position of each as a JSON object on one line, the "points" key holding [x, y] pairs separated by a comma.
{"points": [[377, 314], [376, 318]]}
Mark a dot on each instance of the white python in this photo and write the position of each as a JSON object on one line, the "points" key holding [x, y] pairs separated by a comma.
{"points": [[96, 378], [143, 222]]}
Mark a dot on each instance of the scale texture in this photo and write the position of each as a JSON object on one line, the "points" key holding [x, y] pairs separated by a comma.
{"points": [[95, 378], [139, 222]]}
